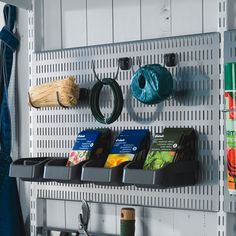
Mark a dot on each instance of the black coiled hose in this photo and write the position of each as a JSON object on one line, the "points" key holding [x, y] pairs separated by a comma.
{"points": [[117, 104]]}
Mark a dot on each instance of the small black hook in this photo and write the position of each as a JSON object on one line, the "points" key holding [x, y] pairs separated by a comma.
{"points": [[117, 73], [94, 72], [139, 61], [58, 100], [31, 103], [96, 76]]}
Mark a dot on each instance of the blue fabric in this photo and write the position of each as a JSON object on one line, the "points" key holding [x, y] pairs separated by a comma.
{"points": [[158, 84], [9, 38], [11, 220]]}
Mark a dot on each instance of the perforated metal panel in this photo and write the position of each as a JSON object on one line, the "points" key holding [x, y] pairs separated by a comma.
{"points": [[53, 130], [229, 56]]}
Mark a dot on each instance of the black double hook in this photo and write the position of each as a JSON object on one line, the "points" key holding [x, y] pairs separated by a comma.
{"points": [[96, 76], [58, 101]]}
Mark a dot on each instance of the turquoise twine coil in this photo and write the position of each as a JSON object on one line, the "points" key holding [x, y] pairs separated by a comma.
{"points": [[152, 84]]}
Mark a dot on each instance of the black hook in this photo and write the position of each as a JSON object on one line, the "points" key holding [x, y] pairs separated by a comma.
{"points": [[139, 61], [96, 76], [94, 72], [117, 73], [58, 100], [31, 103]]}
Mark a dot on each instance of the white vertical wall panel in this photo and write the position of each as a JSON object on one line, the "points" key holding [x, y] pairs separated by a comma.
{"points": [[170, 222], [186, 17], [52, 24], [231, 14], [210, 15], [126, 20], [158, 222], [91, 22], [103, 218], [55, 215], [155, 18], [186, 223], [73, 23], [231, 224], [39, 34], [73, 209], [210, 223], [99, 18]]}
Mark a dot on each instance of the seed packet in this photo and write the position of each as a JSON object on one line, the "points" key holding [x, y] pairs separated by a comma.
{"points": [[174, 144], [83, 146], [126, 146], [163, 151]]}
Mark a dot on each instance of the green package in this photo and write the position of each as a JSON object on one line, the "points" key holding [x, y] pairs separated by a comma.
{"points": [[175, 144], [163, 151]]}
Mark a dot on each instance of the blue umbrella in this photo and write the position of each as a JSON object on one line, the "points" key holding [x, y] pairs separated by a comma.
{"points": [[11, 221]]}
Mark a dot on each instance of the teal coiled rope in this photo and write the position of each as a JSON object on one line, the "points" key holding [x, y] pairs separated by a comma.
{"points": [[152, 84], [117, 104]]}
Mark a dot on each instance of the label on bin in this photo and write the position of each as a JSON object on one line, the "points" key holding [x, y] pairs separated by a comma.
{"points": [[83, 145], [126, 145]]}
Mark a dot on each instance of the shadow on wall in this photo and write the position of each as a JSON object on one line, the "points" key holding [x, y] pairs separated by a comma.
{"points": [[190, 88]]}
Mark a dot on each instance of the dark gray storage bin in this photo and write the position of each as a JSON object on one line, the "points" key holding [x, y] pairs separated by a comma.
{"points": [[29, 169], [56, 170], [94, 171], [182, 173]]}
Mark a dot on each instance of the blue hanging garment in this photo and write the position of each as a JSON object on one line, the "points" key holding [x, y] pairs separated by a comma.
{"points": [[11, 220], [152, 84]]}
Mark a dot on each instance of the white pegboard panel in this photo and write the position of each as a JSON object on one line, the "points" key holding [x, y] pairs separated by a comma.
{"points": [[55, 129], [229, 57]]}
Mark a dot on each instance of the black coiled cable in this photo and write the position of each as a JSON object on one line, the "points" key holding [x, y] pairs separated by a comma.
{"points": [[117, 104]]}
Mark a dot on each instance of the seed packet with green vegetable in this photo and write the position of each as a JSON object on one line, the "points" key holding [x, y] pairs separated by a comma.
{"points": [[163, 151]]}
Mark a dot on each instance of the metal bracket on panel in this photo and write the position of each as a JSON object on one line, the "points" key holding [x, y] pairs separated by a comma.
{"points": [[170, 59], [125, 63]]}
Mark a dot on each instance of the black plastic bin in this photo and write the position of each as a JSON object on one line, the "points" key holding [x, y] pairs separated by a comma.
{"points": [[56, 170], [94, 171], [29, 169], [182, 173]]}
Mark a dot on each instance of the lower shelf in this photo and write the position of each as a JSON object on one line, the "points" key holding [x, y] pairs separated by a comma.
{"points": [[56, 170], [183, 173], [94, 171], [29, 169]]}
